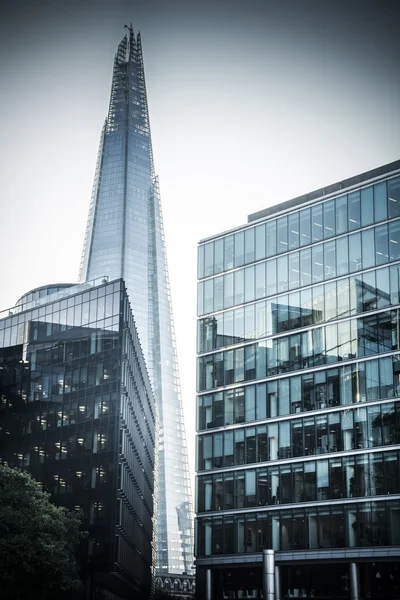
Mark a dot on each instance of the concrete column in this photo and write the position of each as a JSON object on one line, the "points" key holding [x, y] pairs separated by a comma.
{"points": [[277, 583], [208, 584], [269, 574], [354, 582]]}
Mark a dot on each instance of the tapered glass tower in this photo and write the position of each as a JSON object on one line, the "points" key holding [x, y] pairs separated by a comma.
{"points": [[125, 239]]}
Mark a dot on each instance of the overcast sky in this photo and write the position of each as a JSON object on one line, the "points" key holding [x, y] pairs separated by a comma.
{"points": [[251, 103]]}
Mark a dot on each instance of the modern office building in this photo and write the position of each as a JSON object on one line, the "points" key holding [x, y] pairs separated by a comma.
{"points": [[77, 411], [125, 238], [298, 407]]}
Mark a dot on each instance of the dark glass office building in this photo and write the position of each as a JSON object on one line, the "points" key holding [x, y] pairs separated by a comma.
{"points": [[298, 409], [125, 238], [77, 411]]}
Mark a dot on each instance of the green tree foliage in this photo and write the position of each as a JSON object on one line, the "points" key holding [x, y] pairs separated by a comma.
{"points": [[38, 540]]}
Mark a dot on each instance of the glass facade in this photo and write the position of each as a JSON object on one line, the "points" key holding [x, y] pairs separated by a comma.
{"points": [[298, 382], [125, 238], [77, 411]]}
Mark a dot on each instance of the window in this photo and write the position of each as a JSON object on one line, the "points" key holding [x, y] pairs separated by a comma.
{"points": [[271, 238], [329, 218], [341, 214], [260, 241], [380, 204], [394, 197], [316, 223], [367, 206], [282, 239]]}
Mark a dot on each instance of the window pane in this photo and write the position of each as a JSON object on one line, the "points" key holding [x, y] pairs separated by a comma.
{"points": [[239, 286], [249, 245], [200, 262], [342, 256], [330, 259], [341, 214], [260, 280], [249, 284], [282, 274], [218, 256], [367, 206], [316, 223], [382, 288], [282, 234], [200, 298], [271, 238], [260, 241], [271, 277], [354, 211], [394, 240], [355, 252], [208, 295], [239, 249], [380, 204], [394, 197], [317, 263], [294, 268], [329, 218], [218, 293], [294, 233], [228, 290], [305, 267], [209, 258], [381, 245], [229, 246], [305, 227], [368, 248]]}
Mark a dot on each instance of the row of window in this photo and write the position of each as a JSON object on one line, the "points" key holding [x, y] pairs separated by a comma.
{"points": [[341, 341], [363, 381], [76, 446], [334, 300], [363, 250], [367, 427], [353, 525], [374, 474], [321, 221]]}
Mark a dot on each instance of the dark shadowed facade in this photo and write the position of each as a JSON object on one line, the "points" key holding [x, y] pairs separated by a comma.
{"points": [[77, 411], [125, 238], [298, 485]]}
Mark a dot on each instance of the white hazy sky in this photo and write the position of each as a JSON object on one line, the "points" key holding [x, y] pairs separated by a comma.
{"points": [[251, 103]]}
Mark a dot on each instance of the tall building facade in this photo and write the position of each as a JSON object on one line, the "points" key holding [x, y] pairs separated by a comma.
{"points": [[125, 238], [78, 412], [298, 407]]}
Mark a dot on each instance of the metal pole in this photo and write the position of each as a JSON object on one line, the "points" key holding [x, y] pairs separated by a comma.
{"points": [[277, 583], [208, 584], [268, 574], [354, 582]]}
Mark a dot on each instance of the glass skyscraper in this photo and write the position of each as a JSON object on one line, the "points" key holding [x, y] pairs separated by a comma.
{"points": [[77, 411], [298, 408], [124, 239]]}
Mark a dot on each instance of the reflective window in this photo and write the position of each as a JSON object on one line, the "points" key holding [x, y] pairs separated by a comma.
{"points": [[329, 218], [239, 249], [260, 241], [380, 203], [341, 214], [354, 208], [394, 197], [294, 231], [271, 238], [282, 234], [305, 227], [367, 206], [218, 256], [316, 223], [249, 241]]}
